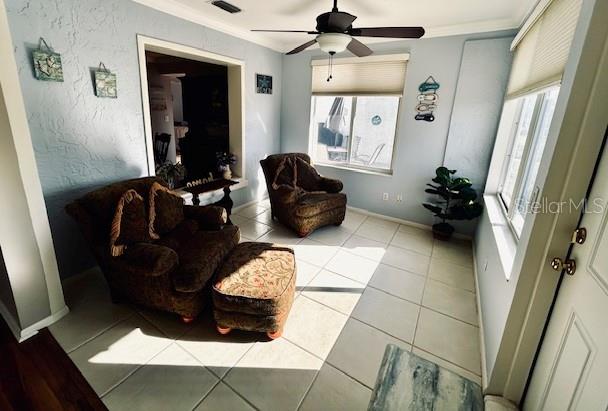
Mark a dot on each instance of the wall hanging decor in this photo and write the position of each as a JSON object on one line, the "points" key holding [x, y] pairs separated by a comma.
{"points": [[263, 84], [427, 100], [105, 82], [47, 63]]}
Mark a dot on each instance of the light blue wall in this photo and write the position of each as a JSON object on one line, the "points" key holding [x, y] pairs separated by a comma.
{"points": [[82, 142], [420, 146]]}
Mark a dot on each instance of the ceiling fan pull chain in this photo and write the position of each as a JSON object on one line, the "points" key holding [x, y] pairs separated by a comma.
{"points": [[330, 67]]}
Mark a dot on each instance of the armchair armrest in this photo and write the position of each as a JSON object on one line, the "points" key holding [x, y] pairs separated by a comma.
{"points": [[209, 217], [330, 185], [146, 260]]}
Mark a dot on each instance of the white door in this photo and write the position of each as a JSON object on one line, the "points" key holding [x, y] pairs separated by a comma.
{"points": [[572, 368]]}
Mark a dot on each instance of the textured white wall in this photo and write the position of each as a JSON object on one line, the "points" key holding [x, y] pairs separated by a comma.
{"points": [[83, 142]]}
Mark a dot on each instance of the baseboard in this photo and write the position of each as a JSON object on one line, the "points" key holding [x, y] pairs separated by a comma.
{"points": [[402, 221], [28, 332], [482, 340], [496, 403]]}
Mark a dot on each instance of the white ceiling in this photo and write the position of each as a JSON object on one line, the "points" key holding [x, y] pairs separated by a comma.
{"points": [[438, 17]]}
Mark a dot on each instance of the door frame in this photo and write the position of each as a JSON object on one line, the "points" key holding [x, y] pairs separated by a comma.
{"points": [[567, 176], [236, 94]]}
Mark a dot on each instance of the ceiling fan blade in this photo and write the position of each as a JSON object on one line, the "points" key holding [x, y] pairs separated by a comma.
{"points": [[358, 49], [288, 31], [394, 32], [302, 47]]}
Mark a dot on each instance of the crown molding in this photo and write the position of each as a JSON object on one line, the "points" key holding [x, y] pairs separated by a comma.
{"points": [[182, 11]]}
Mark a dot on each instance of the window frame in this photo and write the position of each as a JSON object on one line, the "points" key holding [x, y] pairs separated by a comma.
{"points": [[348, 165], [510, 210]]}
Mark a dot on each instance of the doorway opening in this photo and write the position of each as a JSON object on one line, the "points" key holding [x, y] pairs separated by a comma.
{"points": [[193, 111]]}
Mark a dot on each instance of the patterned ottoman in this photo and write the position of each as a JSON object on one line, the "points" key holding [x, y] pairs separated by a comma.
{"points": [[255, 288]]}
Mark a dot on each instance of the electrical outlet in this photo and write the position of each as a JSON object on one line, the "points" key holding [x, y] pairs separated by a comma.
{"points": [[385, 196], [399, 198]]}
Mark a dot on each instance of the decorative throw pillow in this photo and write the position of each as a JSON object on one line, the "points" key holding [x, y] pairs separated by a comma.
{"points": [[166, 210], [129, 224]]}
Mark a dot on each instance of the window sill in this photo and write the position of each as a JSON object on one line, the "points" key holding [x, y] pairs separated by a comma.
{"points": [[212, 196], [506, 242], [386, 173]]}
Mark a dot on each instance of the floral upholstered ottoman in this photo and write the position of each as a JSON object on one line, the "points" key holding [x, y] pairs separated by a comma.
{"points": [[255, 288]]}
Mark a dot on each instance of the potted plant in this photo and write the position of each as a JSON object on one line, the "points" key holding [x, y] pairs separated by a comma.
{"points": [[457, 201], [224, 161], [171, 173]]}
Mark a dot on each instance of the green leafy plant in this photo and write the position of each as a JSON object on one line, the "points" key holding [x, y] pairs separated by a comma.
{"points": [[457, 201], [171, 173]]}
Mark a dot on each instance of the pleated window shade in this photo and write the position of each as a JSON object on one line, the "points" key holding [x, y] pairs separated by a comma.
{"points": [[542, 51], [359, 78]]}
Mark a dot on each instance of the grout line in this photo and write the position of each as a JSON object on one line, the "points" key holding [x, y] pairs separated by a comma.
{"points": [[99, 332], [218, 382], [446, 360]]}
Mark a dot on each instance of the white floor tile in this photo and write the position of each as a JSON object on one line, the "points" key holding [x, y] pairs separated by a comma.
{"points": [[452, 274], [406, 260], [237, 220], [450, 339], [305, 272], [359, 351], [352, 220], [456, 251], [217, 352], [335, 391], [315, 252], [265, 218], [108, 359], [274, 375], [364, 247], [352, 266], [313, 326], [91, 311], [413, 230], [455, 302], [251, 211], [173, 380], [377, 229], [169, 323], [331, 235], [390, 314], [223, 398], [400, 283], [335, 291], [280, 235], [253, 229], [414, 242]]}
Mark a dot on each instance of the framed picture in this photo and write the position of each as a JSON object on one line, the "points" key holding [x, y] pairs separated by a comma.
{"points": [[47, 63], [263, 84], [105, 82]]}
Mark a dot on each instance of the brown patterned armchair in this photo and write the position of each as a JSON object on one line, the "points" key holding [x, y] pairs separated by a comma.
{"points": [[168, 270], [300, 198]]}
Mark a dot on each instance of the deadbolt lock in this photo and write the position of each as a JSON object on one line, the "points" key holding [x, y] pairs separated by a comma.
{"points": [[569, 265], [579, 235]]}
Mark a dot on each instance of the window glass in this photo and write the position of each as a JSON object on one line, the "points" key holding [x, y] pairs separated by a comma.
{"points": [[517, 149], [354, 131]]}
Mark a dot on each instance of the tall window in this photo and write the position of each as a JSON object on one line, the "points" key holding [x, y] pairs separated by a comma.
{"points": [[541, 50], [354, 116], [529, 128]]}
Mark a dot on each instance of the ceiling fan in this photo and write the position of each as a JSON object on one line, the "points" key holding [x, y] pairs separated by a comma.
{"points": [[335, 33]]}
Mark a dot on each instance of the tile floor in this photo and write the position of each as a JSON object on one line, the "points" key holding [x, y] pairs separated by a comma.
{"points": [[360, 286]]}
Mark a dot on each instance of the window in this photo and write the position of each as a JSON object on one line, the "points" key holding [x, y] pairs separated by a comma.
{"points": [[529, 130], [541, 50], [354, 116], [354, 131]]}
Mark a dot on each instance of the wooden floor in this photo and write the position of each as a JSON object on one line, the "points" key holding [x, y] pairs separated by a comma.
{"points": [[38, 375]]}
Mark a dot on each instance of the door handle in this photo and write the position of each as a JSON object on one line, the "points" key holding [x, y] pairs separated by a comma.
{"points": [[569, 265]]}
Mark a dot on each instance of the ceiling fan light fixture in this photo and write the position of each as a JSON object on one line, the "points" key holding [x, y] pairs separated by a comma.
{"points": [[333, 42]]}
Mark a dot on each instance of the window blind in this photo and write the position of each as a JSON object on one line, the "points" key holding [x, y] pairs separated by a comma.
{"points": [[381, 75], [542, 46]]}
